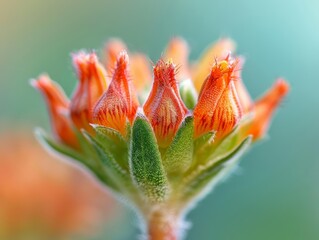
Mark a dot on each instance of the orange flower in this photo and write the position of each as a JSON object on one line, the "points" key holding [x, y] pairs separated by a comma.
{"points": [[265, 107], [218, 108], [58, 107], [119, 103], [92, 84], [164, 107]]}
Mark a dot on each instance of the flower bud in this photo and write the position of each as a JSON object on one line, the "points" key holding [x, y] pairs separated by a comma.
{"points": [[92, 84], [218, 108], [164, 107], [119, 103], [217, 52], [57, 104], [265, 108]]}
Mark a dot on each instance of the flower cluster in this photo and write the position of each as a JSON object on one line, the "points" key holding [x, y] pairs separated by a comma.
{"points": [[163, 146]]}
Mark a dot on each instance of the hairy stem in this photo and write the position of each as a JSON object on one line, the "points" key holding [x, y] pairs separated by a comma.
{"points": [[163, 225]]}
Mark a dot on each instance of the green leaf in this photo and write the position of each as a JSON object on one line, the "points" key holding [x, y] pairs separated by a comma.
{"points": [[179, 155], [208, 175], [145, 162]]}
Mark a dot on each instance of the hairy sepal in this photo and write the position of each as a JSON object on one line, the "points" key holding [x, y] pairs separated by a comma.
{"points": [[146, 167], [89, 162], [204, 177], [215, 150], [179, 155], [113, 142]]}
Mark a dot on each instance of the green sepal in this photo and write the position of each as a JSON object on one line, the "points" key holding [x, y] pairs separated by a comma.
{"points": [[119, 176], [74, 155], [202, 145], [179, 155], [112, 134], [227, 145], [58, 147], [207, 176], [146, 167], [113, 142]]}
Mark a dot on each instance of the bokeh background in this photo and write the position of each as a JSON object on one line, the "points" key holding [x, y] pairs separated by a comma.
{"points": [[274, 195]]}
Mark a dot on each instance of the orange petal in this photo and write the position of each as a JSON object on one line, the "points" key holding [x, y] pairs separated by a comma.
{"points": [[57, 104], [217, 51], [92, 84], [265, 108], [243, 95], [218, 108], [112, 49], [177, 51], [141, 71], [119, 103], [164, 107]]}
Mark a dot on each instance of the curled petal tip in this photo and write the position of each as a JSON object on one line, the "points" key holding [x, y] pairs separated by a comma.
{"points": [[282, 86], [51, 91], [122, 61], [165, 72], [57, 104]]}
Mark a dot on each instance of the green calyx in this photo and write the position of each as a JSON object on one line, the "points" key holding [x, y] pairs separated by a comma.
{"points": [[135, 168]]}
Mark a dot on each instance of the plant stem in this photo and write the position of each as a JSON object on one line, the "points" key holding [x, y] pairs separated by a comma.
{"points": [[162, 225]]}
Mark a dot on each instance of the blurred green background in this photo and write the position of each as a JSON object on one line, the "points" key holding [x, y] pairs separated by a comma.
{"points": [[274, 195]]}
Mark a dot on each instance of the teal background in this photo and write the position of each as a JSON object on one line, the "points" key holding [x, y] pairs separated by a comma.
{"points": [[274, 194]]}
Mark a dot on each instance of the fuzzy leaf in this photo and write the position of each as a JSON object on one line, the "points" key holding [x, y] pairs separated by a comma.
{"points": [[179, 155], [208, 175], [145, 163]]}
